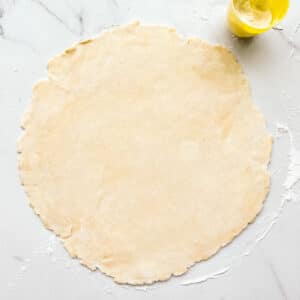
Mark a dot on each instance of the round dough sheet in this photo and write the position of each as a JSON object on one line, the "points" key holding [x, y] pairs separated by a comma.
{"points": [[144, 152]]}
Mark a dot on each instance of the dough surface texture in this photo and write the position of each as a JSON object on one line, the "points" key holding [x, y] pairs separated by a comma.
{"points": [[144, 152]]}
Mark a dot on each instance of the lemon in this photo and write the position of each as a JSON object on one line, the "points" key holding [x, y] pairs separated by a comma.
{"points": [[247, 18]]}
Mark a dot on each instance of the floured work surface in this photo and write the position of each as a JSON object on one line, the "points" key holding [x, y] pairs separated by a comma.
{"points": [[144, 152]]}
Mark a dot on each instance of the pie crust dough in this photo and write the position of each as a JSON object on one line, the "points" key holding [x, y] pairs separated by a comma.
{"points": [[144, 152]]}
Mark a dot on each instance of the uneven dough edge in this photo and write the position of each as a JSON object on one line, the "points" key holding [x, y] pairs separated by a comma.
{"points": [[65, 235]]}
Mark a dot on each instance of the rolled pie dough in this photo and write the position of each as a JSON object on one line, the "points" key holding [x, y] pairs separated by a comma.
{"points": [[144, 153]]}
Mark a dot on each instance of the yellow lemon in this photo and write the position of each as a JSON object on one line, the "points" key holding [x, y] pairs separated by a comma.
{"points": [[247, 18]]}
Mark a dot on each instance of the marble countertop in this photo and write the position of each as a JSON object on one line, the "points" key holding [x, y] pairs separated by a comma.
{"points": [[262, 263]]}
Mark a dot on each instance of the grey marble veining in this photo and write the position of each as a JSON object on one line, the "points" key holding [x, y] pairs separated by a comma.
{"points": [[262, 263], [55, 16]]}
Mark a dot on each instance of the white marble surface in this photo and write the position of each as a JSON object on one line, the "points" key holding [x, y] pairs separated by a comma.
{"points": [[262, 263]]}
